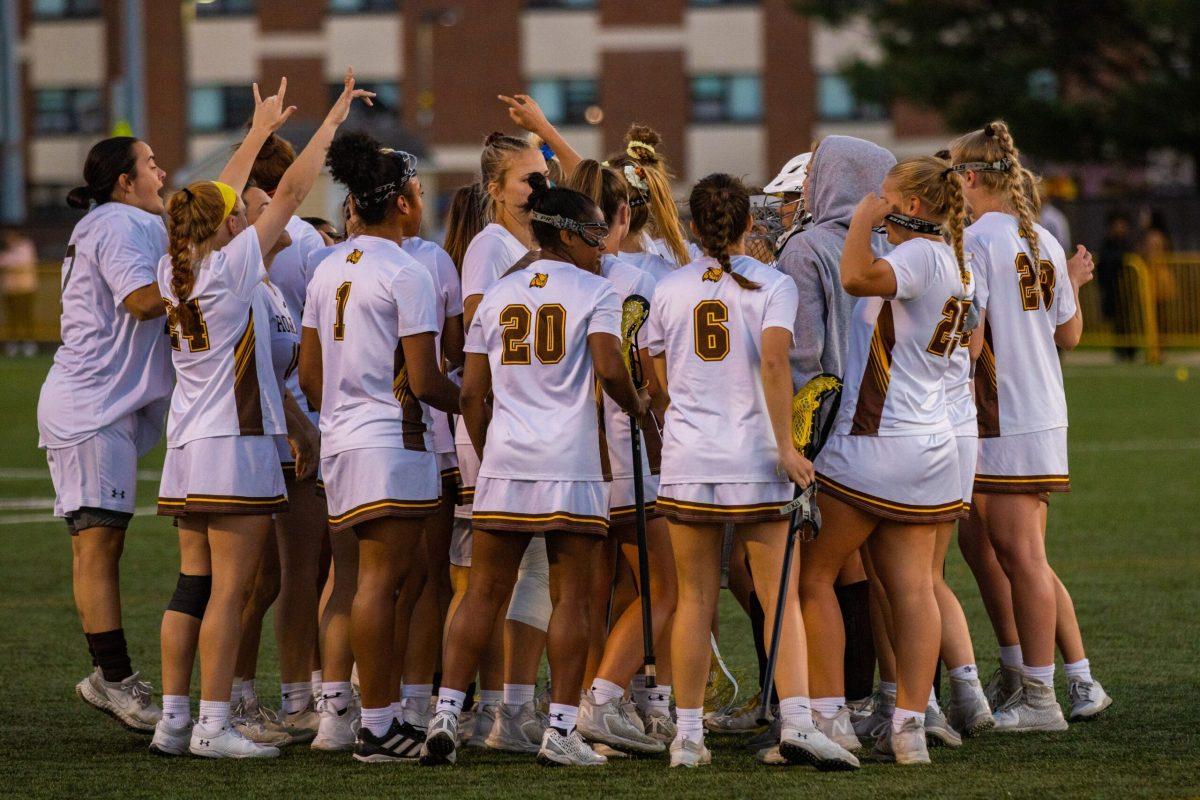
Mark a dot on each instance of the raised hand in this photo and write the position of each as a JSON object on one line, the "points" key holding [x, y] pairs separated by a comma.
{"points": [[1080, 267], [341, 107], [271, 113]]}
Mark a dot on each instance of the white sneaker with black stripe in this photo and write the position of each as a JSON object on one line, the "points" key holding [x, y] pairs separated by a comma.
{"points": [[441, 740], [402, 742]]}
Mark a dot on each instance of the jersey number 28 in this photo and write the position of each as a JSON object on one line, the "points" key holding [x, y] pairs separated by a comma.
{"points": [[1035, 282], [948, 333], [549, 323]]}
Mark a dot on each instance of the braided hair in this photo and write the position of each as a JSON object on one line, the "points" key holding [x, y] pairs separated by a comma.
{"points": [[939, 188], [720, 206], [194, 214]]}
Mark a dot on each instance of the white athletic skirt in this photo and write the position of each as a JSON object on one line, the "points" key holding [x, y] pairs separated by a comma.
{"points": [[724, 502], [968, 450], [99, 472], [460, 543], [622, 506], [222, 475], [541, 506], [447, 464], [375, 482], [899, 478], [468, 474], [1023, 463]]}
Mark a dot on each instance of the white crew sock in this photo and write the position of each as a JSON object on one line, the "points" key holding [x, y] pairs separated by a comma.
{"points": [[451, 700], [888, 687], [177, 710], [518, 694], [337, 694], [967, 672], [903, 715], [418, 692], [796, 712], [214, 714], [563, 717], [964, 679], [1010, 656], [637, 691], [690, 724], [1042, 675], [491, 697], [317, 680], [235, 692], [295, 696], [1080, 670], [606, 691], [378, 720], [933, 703], [658, 700], [827, 707], [249, 693], [397, 707]]}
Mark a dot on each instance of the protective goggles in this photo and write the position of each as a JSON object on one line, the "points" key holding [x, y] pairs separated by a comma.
{"points": [[592, 233], [1003, 165]]}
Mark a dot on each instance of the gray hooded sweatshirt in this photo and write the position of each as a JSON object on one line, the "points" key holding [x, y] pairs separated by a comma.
{"points": [[843, 170]]}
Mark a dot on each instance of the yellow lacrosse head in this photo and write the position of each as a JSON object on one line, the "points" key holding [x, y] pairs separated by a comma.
{"points": [[805, 405], [634, 311]]}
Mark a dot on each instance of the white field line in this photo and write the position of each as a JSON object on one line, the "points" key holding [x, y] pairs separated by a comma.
{"points": [[33, 519]]}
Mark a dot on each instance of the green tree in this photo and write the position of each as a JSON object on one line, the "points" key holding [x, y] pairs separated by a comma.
{"points": [[1078, 80]]}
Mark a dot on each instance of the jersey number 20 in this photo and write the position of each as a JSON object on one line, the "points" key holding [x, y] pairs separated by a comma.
{"points": [[549, 324]]}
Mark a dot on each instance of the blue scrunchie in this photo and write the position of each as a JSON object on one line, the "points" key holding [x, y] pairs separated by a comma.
{"points": [[546, 151]]}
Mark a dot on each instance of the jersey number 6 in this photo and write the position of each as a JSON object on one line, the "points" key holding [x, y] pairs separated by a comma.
{"points": [[549, 335], [712, 337]]}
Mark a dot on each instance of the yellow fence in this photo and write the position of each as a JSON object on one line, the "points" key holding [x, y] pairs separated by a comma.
{"points": [[1149, 307]]}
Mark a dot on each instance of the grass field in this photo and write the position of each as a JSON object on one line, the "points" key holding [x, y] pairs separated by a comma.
{"points": [[1126, 541]]}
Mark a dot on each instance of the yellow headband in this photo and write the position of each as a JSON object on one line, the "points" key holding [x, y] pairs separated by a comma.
{"points": [[229, 196], [635, 145]]}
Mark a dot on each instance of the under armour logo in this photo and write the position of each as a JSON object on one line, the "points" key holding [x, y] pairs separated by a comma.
{"points": [[557, 717], [448, 702], [118, 493], [204, 742]]}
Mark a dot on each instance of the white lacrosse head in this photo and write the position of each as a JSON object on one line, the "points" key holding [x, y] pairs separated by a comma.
{"points": [[791, 177]]}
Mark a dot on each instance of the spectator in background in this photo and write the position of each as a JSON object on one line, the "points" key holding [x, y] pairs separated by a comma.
{"points": [[1110, 269], [1154, 246], [18, 284]]}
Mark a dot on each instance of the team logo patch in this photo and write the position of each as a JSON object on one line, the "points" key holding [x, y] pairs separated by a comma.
{"points": [[712, 274], [354, 256], [538, 281]]}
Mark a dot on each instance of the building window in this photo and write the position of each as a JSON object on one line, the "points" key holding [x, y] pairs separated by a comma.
{"points": [[219, 108], [65, 111], [387, 96], [65, 9], [224, 8], [561, 4], [836, 101], [727, 98], [717, 3], [565, 100], [363, 6]]}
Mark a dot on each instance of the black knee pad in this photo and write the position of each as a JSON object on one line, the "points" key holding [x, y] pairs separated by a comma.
{"points": [[191, 595]]}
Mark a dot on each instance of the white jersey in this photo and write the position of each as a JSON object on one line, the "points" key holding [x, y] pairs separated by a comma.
{"points": [[900, 347], [361, 304], [660, 247], [314, 258], [627, 280], [224, 375], [710, 330], [109, 364], [287, 270], [449, 304], [533, 326], [285, 339], [650, 262], [493, 252], [1018, 378]]}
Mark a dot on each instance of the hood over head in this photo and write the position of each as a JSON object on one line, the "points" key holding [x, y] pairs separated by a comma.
{"points": [[841, 172]]}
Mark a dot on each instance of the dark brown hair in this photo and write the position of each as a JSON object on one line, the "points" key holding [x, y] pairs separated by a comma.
{"points": [[720, 206], [603, 184], [107, 161], [463, 221]]}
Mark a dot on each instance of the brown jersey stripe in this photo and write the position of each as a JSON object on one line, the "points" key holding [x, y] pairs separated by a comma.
{"points": [[653, 439], [246, 392], [987, 396], [523, 262], [605, 461], [872, 392], [412, 418]]}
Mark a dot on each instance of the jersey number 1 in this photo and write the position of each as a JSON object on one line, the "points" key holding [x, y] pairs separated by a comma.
{"points": [[342, 295], [549, 335]]}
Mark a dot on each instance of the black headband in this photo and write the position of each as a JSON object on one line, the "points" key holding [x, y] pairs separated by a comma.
{"points": [[1003, 165], [386, 191], [582, 229], [914, 224]]}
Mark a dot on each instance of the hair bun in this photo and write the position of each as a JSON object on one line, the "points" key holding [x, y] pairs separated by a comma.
{"points": [[989, 130], [80, 197], [643, 133]]}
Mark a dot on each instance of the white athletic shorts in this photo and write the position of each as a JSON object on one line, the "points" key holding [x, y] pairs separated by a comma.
{"points": [[222, 475], [968, 450], [541, 506], [375, 482], [460, 542], [530, 601], [723, 502], [468, 474], [898, 478], [622, 507], [1023, 463], [449, 476], [99, 472]]}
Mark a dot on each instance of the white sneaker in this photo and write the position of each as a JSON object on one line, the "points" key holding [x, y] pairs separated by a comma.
{"points": [[608, 723], [686, 753], [771, 757], [971, 715], [1004, 683], [567, 751], [1087, 699], [1034, 708], [905, 747], [170, 741], [938, 731], [337, 730], [301, 726], [441, 740], [602, 749], [734, 719], [632, 714], [485, 720], [466, 725], [517, 729], [660, 726], [811, 746], [127, 701], [839, 728], [226, 742], [257, 725], [883, 704]]}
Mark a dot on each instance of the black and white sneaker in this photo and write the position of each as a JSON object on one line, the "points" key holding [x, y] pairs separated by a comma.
{"points": [[402, 743]]}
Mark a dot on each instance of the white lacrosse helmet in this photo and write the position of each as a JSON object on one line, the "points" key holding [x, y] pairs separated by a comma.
{"points": [[791, 177]]}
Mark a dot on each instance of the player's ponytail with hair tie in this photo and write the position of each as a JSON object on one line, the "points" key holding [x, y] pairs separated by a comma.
{"points": [[720, 206], [193, 215]]}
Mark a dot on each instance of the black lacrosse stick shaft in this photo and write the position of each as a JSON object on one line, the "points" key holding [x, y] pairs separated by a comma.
{"points": [[639, 499]]}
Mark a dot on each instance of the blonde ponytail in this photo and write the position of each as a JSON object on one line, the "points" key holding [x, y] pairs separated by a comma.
{"points": [[194, 214], [939, 188], [641, 152]]}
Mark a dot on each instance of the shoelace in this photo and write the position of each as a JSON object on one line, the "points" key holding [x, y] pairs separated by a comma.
{"points": [[140, 692], [1078, 690], [1013, 701]]}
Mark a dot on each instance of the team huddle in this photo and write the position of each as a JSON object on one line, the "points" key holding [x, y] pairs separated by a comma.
{"points": [[440, 462]]}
